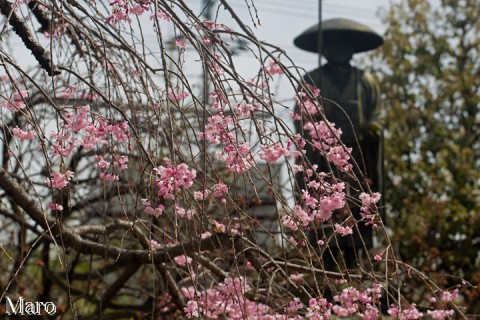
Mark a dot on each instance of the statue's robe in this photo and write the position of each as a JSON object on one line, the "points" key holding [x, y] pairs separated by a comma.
{"points": [[356, 110]]}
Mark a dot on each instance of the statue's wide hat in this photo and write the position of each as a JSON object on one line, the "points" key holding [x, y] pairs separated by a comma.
{"points": [[360, 36]]}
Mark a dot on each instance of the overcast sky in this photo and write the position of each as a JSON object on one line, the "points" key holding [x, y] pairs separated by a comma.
{"points": [[283, 20]]}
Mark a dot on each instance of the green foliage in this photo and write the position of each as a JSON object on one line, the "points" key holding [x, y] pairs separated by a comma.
{"points": [[431, 84]]}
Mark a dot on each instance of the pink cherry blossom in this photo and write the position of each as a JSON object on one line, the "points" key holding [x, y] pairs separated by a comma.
{"points": [[297, 277], [237, 158], [138, 9], [20, 95], [368, 202], [93, 96], [156, 212], [17, 101], [176, 95], [69, 92], [340, 157], [378, 257], [448, 296], [155, 245], [207, 40], [59, 180], [244, 109], [101, 162], [307, 105], [183, 260], [206, 235], [121, 162], [191, 310], [273, 68], [76, 121], [119, 131], [218, 129], [173, 178], [289, 222], [225, 300], [57, 31], [24, 135], [408, 313], [324, 135], [108, 177], [440, 314], [162, 15], [344, 231], [273, 152], [216, 68], [56, 207], [212, 26], [184, 213], [181, 43], [219, 190], [201, 195], [318, 309]]}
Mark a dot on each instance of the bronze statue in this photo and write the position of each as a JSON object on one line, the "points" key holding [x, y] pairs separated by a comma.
{"points": [[351, 100]]}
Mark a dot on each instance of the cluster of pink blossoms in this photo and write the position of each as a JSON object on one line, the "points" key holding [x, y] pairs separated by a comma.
{"points": [[79, 130], [175, 95], [16, 102], [297, 219], [120, 163], [220, 190], [212, 26], [245, 109], [207, 26], [184, 213], [24, 135], [237, 158], [219, 130], [325, 138], [320, 201], [368, 202], [409, 313], [352, 301], [57, 31], [121, 9], [226, 299], [306, 104], [273, 68], [173, 178], [150, 210], [59, 180], [271, 153], [181, 43]]}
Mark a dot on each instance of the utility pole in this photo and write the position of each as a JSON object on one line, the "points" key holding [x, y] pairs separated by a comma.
{"points": [[208, 9], [207, 14], [320, 35]]}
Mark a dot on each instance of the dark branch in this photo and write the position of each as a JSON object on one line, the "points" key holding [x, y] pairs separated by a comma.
{"points": [[24, 33]]}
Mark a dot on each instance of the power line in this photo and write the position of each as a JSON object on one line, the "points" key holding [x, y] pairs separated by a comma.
{"points": [[271, 7], [326, 4]]}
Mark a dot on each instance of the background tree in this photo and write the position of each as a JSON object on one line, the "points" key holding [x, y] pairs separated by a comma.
{"points": [[431, 82]]}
